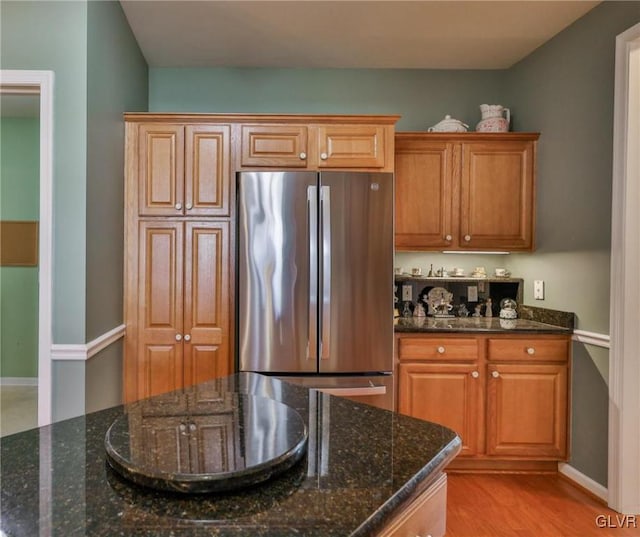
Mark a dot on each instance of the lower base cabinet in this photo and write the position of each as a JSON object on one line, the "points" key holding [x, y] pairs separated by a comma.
{"points": [[505, 396], [426, 516]]}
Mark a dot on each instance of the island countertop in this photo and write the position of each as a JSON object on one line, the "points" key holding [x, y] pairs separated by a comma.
{"points": [[363, 466]]}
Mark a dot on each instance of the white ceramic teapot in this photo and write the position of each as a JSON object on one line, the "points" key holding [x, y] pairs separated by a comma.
{"points": [[495, 118], [448, 124]]}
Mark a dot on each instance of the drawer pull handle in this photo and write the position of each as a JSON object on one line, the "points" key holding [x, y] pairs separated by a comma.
{"points": [[531, 350], [495, 374], [475, 374], [441, 350]]}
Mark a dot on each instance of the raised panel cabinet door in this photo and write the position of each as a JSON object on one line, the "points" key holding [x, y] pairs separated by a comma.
{"points": [[215, 443], [274, 146], [448, 394], [206, 301], [497, 195], [161, 170], [207, 180], [165, 444], [424, 194], [160, 317], [527, 410], [351, 146]]}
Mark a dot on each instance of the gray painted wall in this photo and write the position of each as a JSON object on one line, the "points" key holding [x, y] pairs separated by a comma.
{"points": [[422, 97], [565, 91], [117, 82]]}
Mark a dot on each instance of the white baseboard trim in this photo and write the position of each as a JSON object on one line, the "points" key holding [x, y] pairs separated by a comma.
{"points": [[592, 338], [584, 481], [19, 381], [84, 352]]}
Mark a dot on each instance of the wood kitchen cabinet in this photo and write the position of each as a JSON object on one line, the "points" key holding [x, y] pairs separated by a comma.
{"points": [[440, 381], [314, 146], [465, 191], [505, 395], [183, 320], [183, 170]]}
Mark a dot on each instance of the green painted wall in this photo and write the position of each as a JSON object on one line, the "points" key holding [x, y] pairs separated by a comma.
{"points": [[53, 36], [422, 97], [565, 90], [19, 197]]}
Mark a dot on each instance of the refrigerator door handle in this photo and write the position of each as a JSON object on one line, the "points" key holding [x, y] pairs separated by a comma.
{"points": [[312, 319], [325, 206]]}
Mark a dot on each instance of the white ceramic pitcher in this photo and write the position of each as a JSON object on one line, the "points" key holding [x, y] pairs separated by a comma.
{"points": [[495, 118]]}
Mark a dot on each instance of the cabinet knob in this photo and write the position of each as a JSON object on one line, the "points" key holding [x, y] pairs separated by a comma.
{"points": [[531, 350], [303, 156], [495, 374], [448, 238], [467, 238], [178, 337], [189, 206], [178, 206], [324, 156], [183, 427], [192, 426], [187, 337], [475, 374], [441, 350]]}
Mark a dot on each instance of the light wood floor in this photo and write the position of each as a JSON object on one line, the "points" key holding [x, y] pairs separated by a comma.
{"points": [[18, 409], [520, 505]]}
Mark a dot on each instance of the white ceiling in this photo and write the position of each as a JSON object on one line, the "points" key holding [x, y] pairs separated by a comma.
{"points": [[434, 34]]}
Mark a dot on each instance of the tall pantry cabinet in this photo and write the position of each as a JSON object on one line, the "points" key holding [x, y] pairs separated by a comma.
{"points": [[178, 278]]}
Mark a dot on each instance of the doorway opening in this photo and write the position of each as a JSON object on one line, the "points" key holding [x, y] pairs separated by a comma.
{"points": [[39, 84]]}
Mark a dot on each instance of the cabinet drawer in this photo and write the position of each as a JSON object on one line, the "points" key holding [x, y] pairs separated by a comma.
{"points": [[461, 349], [274, 145], [531, 349]]}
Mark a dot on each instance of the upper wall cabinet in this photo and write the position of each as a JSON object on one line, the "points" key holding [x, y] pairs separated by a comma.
{"points": [[465, 191], [347, 143], [184, 170]]}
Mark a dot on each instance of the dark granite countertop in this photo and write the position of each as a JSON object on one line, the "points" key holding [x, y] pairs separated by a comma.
{"points": [[477, 324], [363, 465]]}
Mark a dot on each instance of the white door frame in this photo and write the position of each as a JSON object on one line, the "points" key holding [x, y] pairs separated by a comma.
{"points": [[34, 82], [624, 363]]}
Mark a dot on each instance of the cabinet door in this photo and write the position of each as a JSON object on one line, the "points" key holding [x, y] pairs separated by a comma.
{"points": [[161, 170], [497, 195], [206, 301], [527, 410], [274, 145], [215, 443], [207, 181], [448, 394], [160, 307], [351, 146], [424, 194]]}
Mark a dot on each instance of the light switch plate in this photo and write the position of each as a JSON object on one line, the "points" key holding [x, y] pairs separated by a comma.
{"points": [[538, 289], [472, 293], [406, 292]]}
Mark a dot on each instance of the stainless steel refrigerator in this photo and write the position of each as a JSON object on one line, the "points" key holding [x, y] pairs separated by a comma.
{"points": [[315, 280]]}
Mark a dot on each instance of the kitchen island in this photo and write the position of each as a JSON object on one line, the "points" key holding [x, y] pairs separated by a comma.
{"points": [[363, 471]]}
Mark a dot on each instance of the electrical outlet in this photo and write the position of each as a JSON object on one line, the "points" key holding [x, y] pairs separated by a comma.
{"points": [[538, 289], [472, 293], [407, 293]]}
